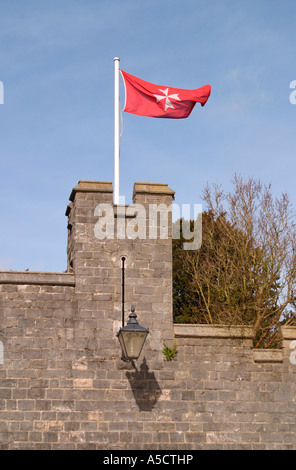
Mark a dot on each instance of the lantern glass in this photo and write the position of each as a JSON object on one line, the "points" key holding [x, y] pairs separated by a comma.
{"points": [[132, 343], [132, 338]]}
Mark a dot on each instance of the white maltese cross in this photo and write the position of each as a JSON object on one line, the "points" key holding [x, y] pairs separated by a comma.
{"points": [[167, 98]]}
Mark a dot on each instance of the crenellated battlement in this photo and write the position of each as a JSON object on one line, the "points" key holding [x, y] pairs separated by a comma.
{"points": [[63, 384]]}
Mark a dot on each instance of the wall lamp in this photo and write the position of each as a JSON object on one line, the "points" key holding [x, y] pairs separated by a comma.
{"points": [[132, 337]]}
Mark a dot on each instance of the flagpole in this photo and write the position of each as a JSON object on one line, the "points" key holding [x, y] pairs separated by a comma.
{"points": [[116, 130]]}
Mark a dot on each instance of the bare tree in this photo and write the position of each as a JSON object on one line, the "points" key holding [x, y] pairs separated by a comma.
{"points": [[245, 270]]}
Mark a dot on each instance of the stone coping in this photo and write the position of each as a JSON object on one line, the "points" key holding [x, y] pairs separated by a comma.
{"points": [[37, 278], [288, 332], [268, 355], [152, 188], [106, 187], [91, 187], [212, 331], [187, 330]]}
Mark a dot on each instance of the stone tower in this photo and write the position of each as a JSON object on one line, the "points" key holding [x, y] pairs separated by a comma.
{"points": [[141, 234]]}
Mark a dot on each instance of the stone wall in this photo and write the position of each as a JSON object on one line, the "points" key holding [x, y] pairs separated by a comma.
{"points": [[63, 384]]}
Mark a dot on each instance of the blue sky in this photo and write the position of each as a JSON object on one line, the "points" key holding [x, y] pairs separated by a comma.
{"points": [[56, 123]]}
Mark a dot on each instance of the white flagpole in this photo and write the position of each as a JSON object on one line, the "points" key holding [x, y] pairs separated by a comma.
{"points": [[116, 130]]}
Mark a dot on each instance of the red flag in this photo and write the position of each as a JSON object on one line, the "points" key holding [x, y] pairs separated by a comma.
{"points": [[146, 99]]}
